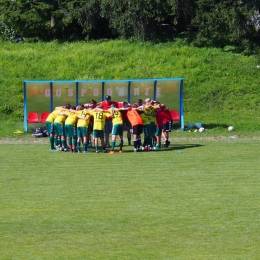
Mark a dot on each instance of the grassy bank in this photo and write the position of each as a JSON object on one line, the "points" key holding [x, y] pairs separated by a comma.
{"points": [[220, 87]]}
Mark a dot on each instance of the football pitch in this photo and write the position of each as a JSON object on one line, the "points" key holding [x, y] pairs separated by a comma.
{"points": [[197, 199]]}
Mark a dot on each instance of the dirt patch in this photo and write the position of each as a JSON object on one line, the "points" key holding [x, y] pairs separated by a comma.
{"points": [[24, 140]]}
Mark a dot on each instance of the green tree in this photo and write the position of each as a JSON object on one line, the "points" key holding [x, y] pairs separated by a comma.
{"points": [[87, 15], [133, 18], [224, 22], [29, 18]]}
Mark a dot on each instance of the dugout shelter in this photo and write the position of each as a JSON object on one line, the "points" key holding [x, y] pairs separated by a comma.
{"points": [[41, 97]]}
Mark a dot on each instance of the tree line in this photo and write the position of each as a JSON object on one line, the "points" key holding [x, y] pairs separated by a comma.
{"points": [[204, 22]]}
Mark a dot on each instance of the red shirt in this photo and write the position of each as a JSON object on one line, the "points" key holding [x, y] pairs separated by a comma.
{"points": [[159, 117], [106, 106], [166, 115]]}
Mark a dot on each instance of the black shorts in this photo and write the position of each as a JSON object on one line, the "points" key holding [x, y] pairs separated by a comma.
{"points": [[167, 127], [108, 126], [137, 129]]}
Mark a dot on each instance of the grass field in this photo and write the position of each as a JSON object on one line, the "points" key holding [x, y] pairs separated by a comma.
{"points": [[198, 199]]}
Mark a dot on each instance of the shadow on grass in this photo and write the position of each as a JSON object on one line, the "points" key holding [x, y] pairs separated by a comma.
{"points": [[178, 147], [172, 147], [214, 126]]}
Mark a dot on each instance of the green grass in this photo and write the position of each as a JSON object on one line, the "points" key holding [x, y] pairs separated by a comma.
{"points": [[220, 87], [198, 199]]}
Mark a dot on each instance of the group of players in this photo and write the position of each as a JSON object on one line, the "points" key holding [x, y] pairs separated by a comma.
{"points": [[70, 127]]}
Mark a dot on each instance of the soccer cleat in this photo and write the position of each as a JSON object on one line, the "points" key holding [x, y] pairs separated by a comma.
{"points": [[135, 150], [54, 150], [85, 152], [97, 151], [120, 151], [104, 151], [167, 143], [112, 152], [78, 151]]}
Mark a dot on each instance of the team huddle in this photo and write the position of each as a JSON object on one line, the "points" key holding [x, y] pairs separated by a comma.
{"points": [[73, 128]]}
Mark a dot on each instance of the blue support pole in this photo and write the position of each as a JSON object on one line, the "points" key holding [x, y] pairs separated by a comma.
{"points": [[51, 97], [77, 94], [181, 106], [128, 91], [25, 124], [103, 91], [154, 89]]}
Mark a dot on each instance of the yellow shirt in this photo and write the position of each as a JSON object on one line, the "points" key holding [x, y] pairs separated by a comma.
{"points": [[150, 113], [51, 117], [60, 119], [71, 119], [117, 116], [99, 119], [82, 122], [145, 118]]}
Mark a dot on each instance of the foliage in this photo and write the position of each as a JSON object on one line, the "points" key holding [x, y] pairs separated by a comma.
{"points": [[221, 23], [203, 22]]}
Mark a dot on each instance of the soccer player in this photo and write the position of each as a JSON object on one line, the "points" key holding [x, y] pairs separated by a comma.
{"points": [[118, 128], [167, 124], [70, 128], [149, 113], [127, 125], [91, 105], [82, 127], [106, 104], [50, 128], [137, 125], [59, 128], [159, 124], [99, 117], [144, 113]]}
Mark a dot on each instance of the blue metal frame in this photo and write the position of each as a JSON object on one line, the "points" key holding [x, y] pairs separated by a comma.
{"points": [[181, 108]]}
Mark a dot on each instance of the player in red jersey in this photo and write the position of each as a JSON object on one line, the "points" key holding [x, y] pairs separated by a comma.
{"points": [[106, 104], [167, 124], [159, 123]]}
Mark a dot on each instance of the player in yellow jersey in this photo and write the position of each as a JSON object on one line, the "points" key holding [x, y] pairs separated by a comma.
{"points": [[82, 127], [70, 128], [149, 111], [118, 128], [99, 118], [59, 128], [146, 129], [50, 127]]}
